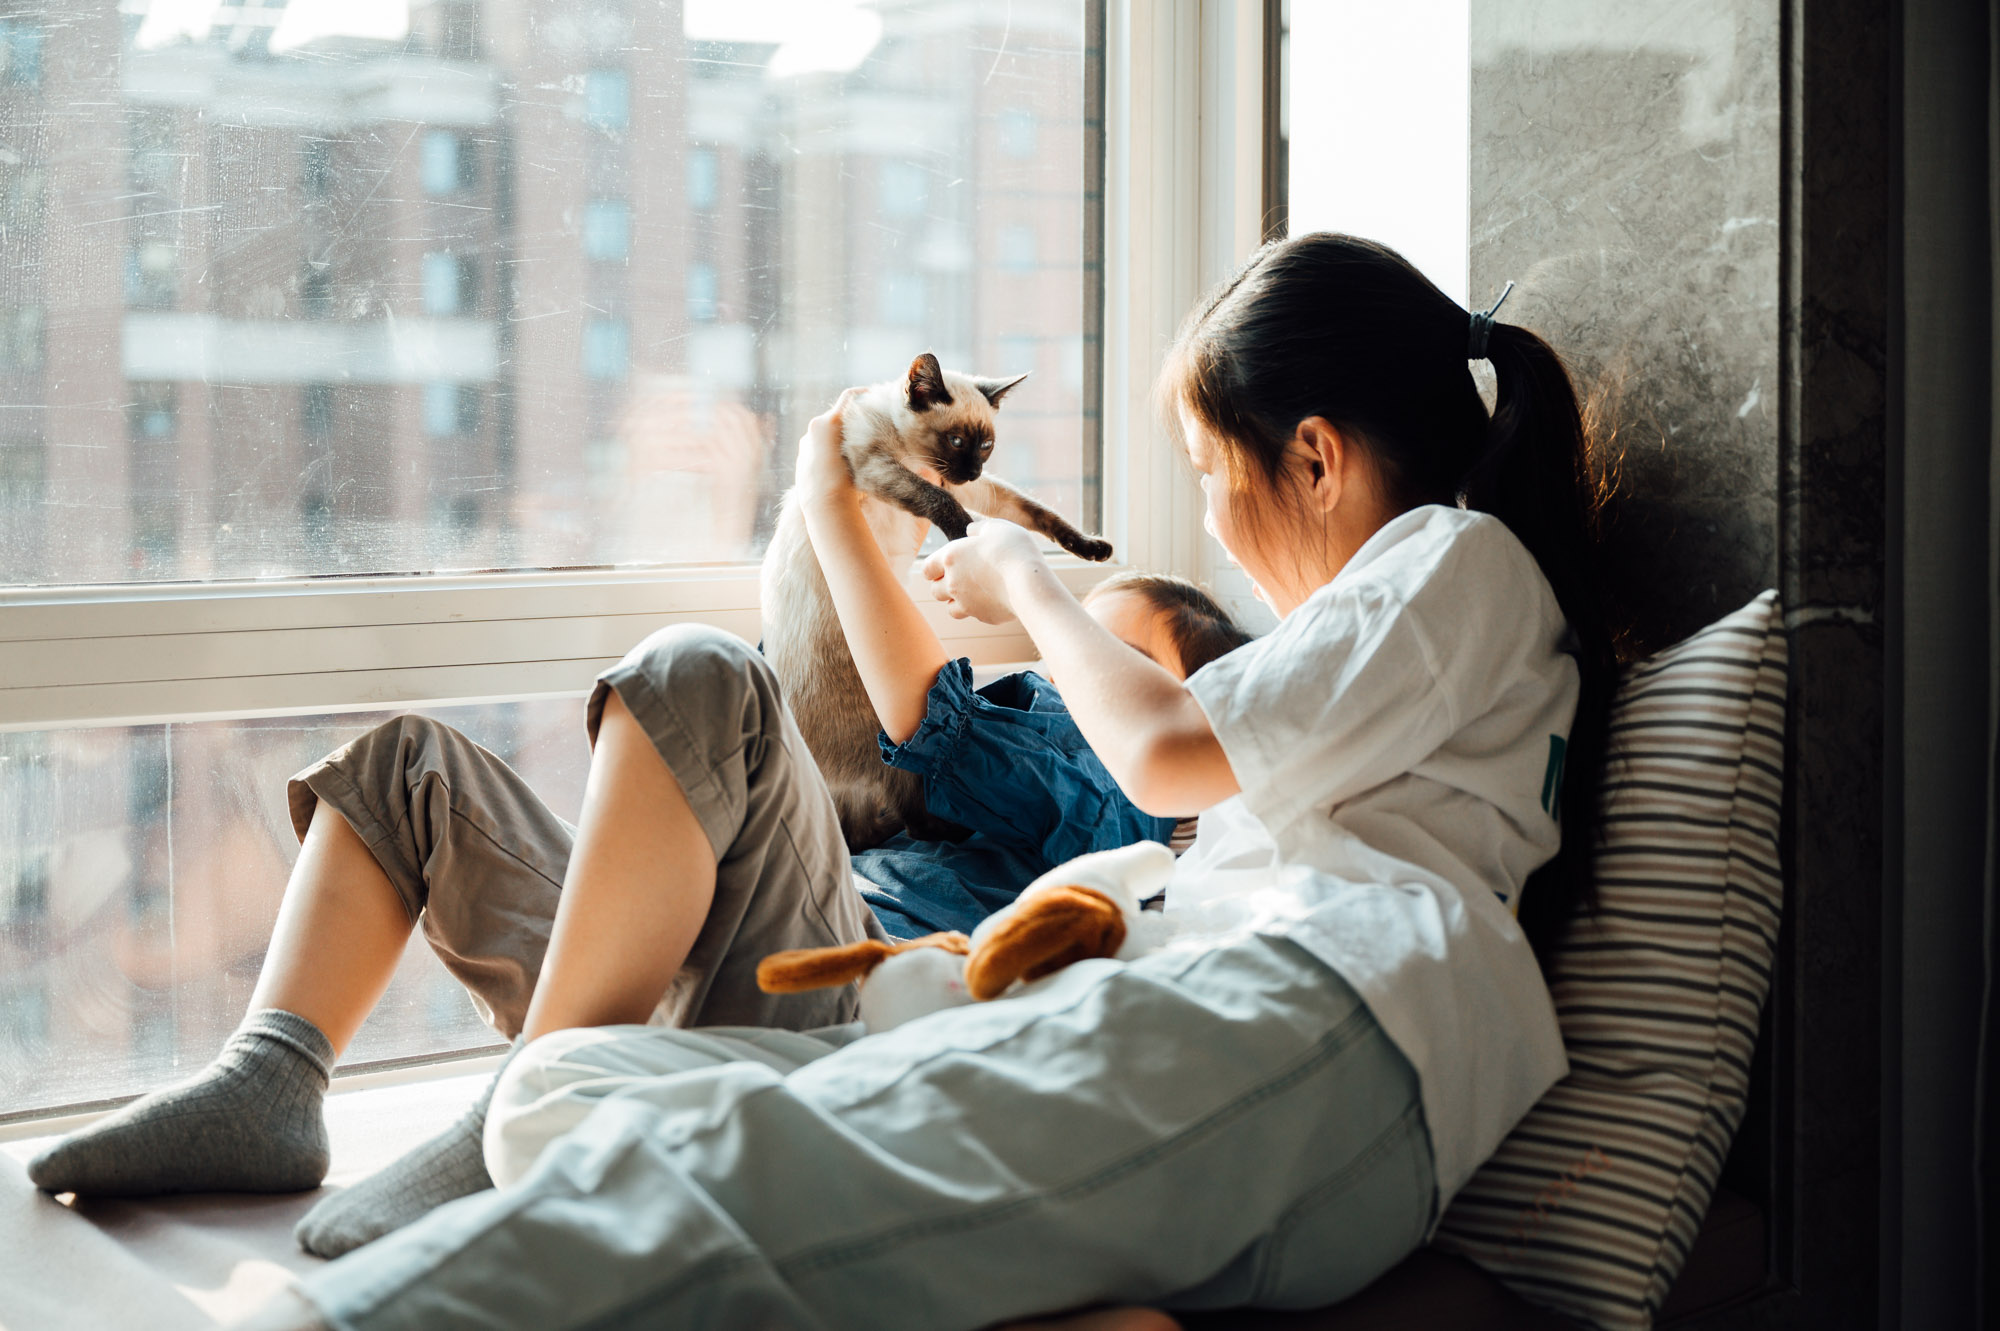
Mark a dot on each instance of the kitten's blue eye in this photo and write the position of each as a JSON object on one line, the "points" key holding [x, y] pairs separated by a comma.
{"points": [[956, 441]]}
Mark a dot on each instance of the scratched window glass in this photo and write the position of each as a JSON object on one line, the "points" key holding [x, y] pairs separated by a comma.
{"points": [[365, 286], [140, 872]]}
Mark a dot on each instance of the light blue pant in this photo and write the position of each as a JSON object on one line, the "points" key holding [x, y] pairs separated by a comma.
{"points": [[1199, 1128]]}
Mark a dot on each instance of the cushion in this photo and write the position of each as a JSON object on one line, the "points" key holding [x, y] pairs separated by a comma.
{"points": [[1591, 1204]]}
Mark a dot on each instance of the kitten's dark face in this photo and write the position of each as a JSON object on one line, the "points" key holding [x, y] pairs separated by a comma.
{"points": [[952, 429]]}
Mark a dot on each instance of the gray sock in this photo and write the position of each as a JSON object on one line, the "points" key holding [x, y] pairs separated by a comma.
{"points": [[448, 1166], [251, 1121]]}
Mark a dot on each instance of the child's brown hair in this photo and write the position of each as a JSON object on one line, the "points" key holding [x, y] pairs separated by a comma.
{"points": [[1200, 629]]}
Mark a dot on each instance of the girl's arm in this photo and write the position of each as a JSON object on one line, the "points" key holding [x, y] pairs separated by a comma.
{"points": [[893, 646], [1147, 728]]}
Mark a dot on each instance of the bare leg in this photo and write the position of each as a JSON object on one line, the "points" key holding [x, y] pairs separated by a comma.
{"points": [[340, 932], [619, 939], [251, 1120]]}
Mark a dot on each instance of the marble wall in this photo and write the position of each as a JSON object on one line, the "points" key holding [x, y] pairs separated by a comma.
{"points": [[1625, 172]]}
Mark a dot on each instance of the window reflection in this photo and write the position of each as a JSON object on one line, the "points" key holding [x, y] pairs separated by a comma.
{"points": [[336, 234], [140, 872]]}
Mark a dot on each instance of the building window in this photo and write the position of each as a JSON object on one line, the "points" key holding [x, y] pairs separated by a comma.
{"points": [[607, 352], [316, 410], [904, 189], [20, 52], [606, 99], [1018, 353], [451, 409], [21, 339], [1017, 247], [150, 414], [607, 230], [450, 283], [1017, 132], [316, 168], [446, 166], [703, 292], [316, 291], [20, 196], [905, 298], [150, 270], [704, 179]]}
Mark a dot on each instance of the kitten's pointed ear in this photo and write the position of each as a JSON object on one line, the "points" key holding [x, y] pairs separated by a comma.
{"points": [[995, 389], [926, 383]]}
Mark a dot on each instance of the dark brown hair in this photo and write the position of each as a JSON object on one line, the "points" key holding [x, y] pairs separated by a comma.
{"points": [[1197, 625], [1346, 329]]}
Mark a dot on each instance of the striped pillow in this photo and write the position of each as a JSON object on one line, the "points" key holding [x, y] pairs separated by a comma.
{"points": [[1590, 1205]]}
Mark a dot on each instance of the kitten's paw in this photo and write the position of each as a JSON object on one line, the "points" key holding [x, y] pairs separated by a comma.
{"points": [[1089, 547]]}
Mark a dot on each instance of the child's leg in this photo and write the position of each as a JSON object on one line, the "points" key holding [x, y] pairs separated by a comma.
{"points": [[707, 842], [251, 1121], [622, 935], [340, 932]]}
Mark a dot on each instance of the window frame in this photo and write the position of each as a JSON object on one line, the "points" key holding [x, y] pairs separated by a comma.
{"points": [[1184, 190]]}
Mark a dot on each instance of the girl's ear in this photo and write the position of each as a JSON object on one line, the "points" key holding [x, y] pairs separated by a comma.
{"points": [[1324, 458]]}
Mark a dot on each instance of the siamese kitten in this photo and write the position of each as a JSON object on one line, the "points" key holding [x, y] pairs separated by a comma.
{"points": [[931, 418]]}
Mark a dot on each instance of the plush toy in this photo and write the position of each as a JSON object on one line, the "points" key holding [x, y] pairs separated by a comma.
{"points": [[1086, 908]]}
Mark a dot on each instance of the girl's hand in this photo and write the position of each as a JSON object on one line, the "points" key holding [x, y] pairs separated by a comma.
{"points": [[970, 575], [822, 470]]}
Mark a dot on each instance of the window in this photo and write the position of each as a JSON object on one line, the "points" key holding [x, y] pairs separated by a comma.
{"points": [[1402, 70], [1016, 132], [90, 892], [904, 298], [20, 52], [316, 168], [703, 292], [450, 283], [704, 179], [606, 99], [1017, 247], [316, 410], [606, 349], [607, 230], [1019, 353], [450, 409], [315, 291], [446, 166], [669, 256], [21, 339], [150, 271], [904, 191]]}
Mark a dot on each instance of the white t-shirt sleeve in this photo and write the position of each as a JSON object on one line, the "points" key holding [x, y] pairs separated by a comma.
{"points": [[1340, 697]]}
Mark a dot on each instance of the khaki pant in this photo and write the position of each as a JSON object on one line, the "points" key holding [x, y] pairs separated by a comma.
{"points": [[478, 859]]}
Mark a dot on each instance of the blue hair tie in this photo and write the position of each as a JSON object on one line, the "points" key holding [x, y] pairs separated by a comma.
{"points": [[1482, 326]]}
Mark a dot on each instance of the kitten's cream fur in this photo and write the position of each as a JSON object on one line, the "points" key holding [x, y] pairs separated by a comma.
{"points": [[943, 422]]}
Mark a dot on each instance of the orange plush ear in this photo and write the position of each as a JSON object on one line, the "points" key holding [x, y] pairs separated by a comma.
{"points": [[826, 967], [1046, 933]]}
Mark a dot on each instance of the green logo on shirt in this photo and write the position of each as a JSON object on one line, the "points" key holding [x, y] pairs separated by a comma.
{"points": [[1552, 779]]}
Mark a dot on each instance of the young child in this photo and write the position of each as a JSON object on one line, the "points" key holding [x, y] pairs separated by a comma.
{"points": [[1008, 763]]}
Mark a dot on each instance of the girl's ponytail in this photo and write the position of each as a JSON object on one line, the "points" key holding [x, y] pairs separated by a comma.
{"points": [[1537, 475]]}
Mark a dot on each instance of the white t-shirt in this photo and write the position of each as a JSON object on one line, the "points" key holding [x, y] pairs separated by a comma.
{"points": [[1398, 739]]}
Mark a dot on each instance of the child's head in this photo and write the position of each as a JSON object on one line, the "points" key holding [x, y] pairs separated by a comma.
{"points": [[1166, 618], [1329, 337]]}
